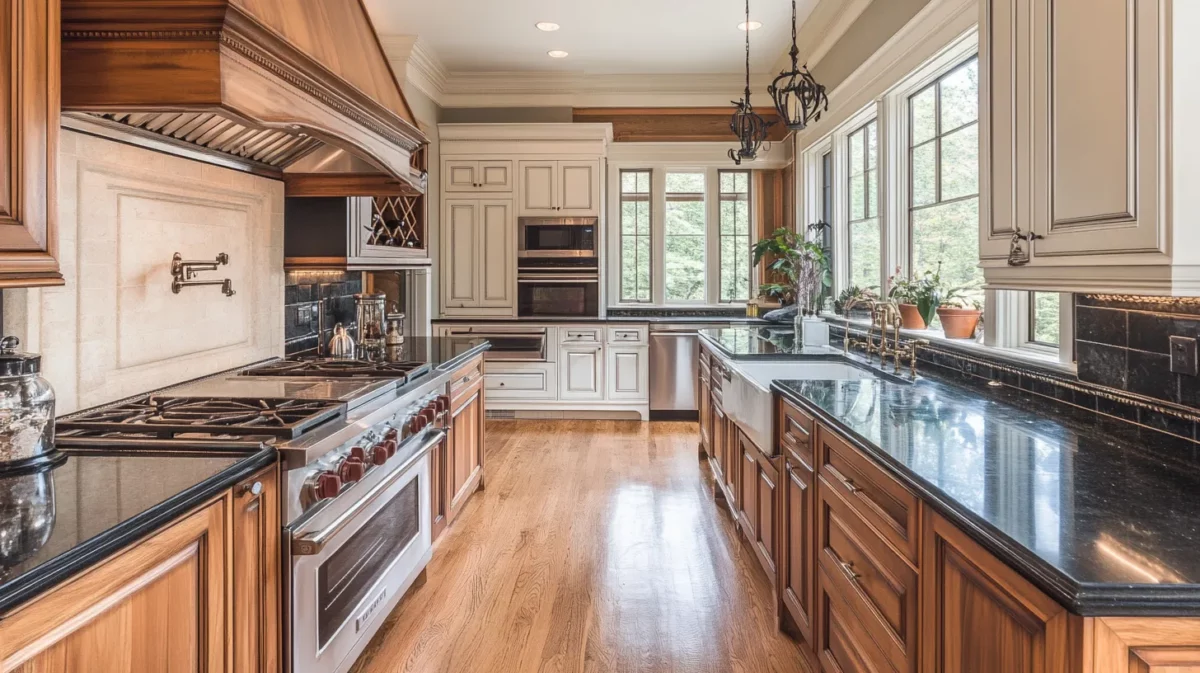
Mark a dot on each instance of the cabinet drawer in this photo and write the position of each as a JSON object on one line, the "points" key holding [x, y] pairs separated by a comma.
{"points": [[878, 585], [795, 433], [627, 335], [576, 335], [465, 377], [536, 381], [876, 496], [843, 645]]}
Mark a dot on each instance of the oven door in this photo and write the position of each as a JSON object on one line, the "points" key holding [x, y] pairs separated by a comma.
{"points": [[560, 237], [351, 564], [545, 296]]}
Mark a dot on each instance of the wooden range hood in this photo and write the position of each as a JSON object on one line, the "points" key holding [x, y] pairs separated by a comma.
{"points": [[264, 81]]}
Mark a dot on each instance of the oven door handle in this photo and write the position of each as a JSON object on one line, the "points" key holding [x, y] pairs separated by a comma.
{"points": [[557, 279], [314, 543]]}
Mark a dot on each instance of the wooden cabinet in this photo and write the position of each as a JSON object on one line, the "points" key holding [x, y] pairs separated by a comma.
{"points": [[980, 616], [758, 476], [1143, 644], [256, 609], [29, 131], [797, 533], [628, 373], [160, 605], [477, 176], [704, 408], [581, 371], [566, 188], [465, 440], [439, 489], [479, 258], [1078, 147], [717, 434]]}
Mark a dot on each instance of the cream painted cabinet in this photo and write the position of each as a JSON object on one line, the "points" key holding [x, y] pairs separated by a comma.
{"points": [[1083, 170], [581, 372], [478, 258], [478, 176], [628, 373], [568, 188]]}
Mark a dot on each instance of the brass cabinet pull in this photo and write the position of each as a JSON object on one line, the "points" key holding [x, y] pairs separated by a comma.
{"points": [[848, 567], [851, 486]]}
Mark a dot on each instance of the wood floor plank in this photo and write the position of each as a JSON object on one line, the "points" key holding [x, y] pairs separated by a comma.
{"points": [[596, 548]]}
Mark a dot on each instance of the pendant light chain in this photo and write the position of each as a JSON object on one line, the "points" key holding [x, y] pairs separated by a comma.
{"points": [[750, 128], [747, 53]]}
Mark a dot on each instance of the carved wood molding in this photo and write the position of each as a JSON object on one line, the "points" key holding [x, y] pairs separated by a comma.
{"points": [[701, 124], [344, 184]]}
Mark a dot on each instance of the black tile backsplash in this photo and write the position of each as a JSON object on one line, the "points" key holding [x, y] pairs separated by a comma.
{"points": [[1138, 362], [308, 292]]}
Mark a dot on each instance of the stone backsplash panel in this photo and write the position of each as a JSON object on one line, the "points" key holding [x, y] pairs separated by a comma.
{"points": [[115, 329], [307, 294]]}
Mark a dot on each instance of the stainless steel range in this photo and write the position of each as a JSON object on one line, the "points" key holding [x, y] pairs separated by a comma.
{"points": [[354, 438]]}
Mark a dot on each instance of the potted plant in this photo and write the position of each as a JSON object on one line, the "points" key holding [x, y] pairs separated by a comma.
{"points": [[918, 299], [854, 297], [802, 264], [959, 315]]}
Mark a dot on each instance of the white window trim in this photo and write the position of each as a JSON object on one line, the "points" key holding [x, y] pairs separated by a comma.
{"points": [[658, 206]]}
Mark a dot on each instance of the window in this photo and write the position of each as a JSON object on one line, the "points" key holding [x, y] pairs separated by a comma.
{"points": [[635, 236], [866, 249], [734, 233], [684, 238], [1044, 314], [943, 155]]}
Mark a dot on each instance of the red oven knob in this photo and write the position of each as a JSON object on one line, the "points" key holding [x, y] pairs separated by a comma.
{"points": [[429, 415], [390, 445], [379, 454], [443, 403], [415, 425], [391, 434], [328, 485], [359, 453], [351, 470]]}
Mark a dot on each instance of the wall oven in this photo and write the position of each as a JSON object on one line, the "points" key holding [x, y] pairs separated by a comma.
{"points": [[557, 237], [558, 288]]}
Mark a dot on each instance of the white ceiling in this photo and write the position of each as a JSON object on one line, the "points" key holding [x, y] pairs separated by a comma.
{"points": [[602, 36]]}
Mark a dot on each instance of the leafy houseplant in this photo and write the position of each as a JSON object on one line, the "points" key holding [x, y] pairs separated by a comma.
{"points": [[959, 315], [802, 264], [918, 299], [854, 296]]}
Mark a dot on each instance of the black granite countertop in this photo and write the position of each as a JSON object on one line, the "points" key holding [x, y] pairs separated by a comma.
{"points": [[441, 353], [652, 319], [69, 517], [746, 342], [1104, 524]]}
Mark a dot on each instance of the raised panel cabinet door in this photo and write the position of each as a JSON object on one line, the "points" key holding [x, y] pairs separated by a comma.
{"points": [[1100, 130], [538, 187], [628, 374], [256, 574], [158, 606], [1004, 122], [747, 487], [979, 616], [733, 463], [581, 371], [704, 402], [767, 475], [1144, 644], [461, 176], [29, 129], [495, 176], [497, 254], [797, 563], [465, 452], [579, 187], [460, 257], [716, 438]]}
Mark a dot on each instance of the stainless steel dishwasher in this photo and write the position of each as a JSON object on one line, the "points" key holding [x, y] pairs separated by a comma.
{"points": [[674, 369]]}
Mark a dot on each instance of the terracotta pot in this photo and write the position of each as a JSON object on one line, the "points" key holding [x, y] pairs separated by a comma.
{"points": [[959, 323], [910, 317]]}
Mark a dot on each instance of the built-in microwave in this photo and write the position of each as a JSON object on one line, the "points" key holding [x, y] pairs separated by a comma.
{"points": [[557, 237]]}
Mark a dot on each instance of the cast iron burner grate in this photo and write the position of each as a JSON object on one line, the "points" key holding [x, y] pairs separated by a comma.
{"points": [[169, 417], [338, 368]]}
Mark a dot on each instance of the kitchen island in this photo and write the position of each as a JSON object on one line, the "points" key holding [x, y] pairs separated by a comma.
{"points": [[938, 525]]}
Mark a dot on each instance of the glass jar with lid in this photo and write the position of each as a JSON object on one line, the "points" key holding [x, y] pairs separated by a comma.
{"points": [[26, 406], [371, 320]]}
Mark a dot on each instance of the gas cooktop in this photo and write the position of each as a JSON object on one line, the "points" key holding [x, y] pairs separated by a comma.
{"points": [[342, 368], [218, 419]]}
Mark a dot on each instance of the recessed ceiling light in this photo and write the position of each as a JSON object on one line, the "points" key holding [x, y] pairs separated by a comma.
{"points": [[753, 25], [548, 26], [557, 53]]}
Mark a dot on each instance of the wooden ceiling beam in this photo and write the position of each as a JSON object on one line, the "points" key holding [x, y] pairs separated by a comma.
{"points": [[673, 124]]}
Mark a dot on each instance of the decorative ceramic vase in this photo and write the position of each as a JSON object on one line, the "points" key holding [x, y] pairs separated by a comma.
{"points": [[959, 323], [910, 317]]}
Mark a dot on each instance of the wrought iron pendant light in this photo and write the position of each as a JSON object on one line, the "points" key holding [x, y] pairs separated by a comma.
{"points": [[798, 98], [750, 128]]}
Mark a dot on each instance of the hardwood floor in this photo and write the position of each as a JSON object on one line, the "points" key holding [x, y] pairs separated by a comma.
{"points": [[596, 547]]}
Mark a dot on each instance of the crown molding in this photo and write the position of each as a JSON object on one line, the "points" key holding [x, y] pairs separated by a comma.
{"points": [[550, 132], [421, 67]]}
